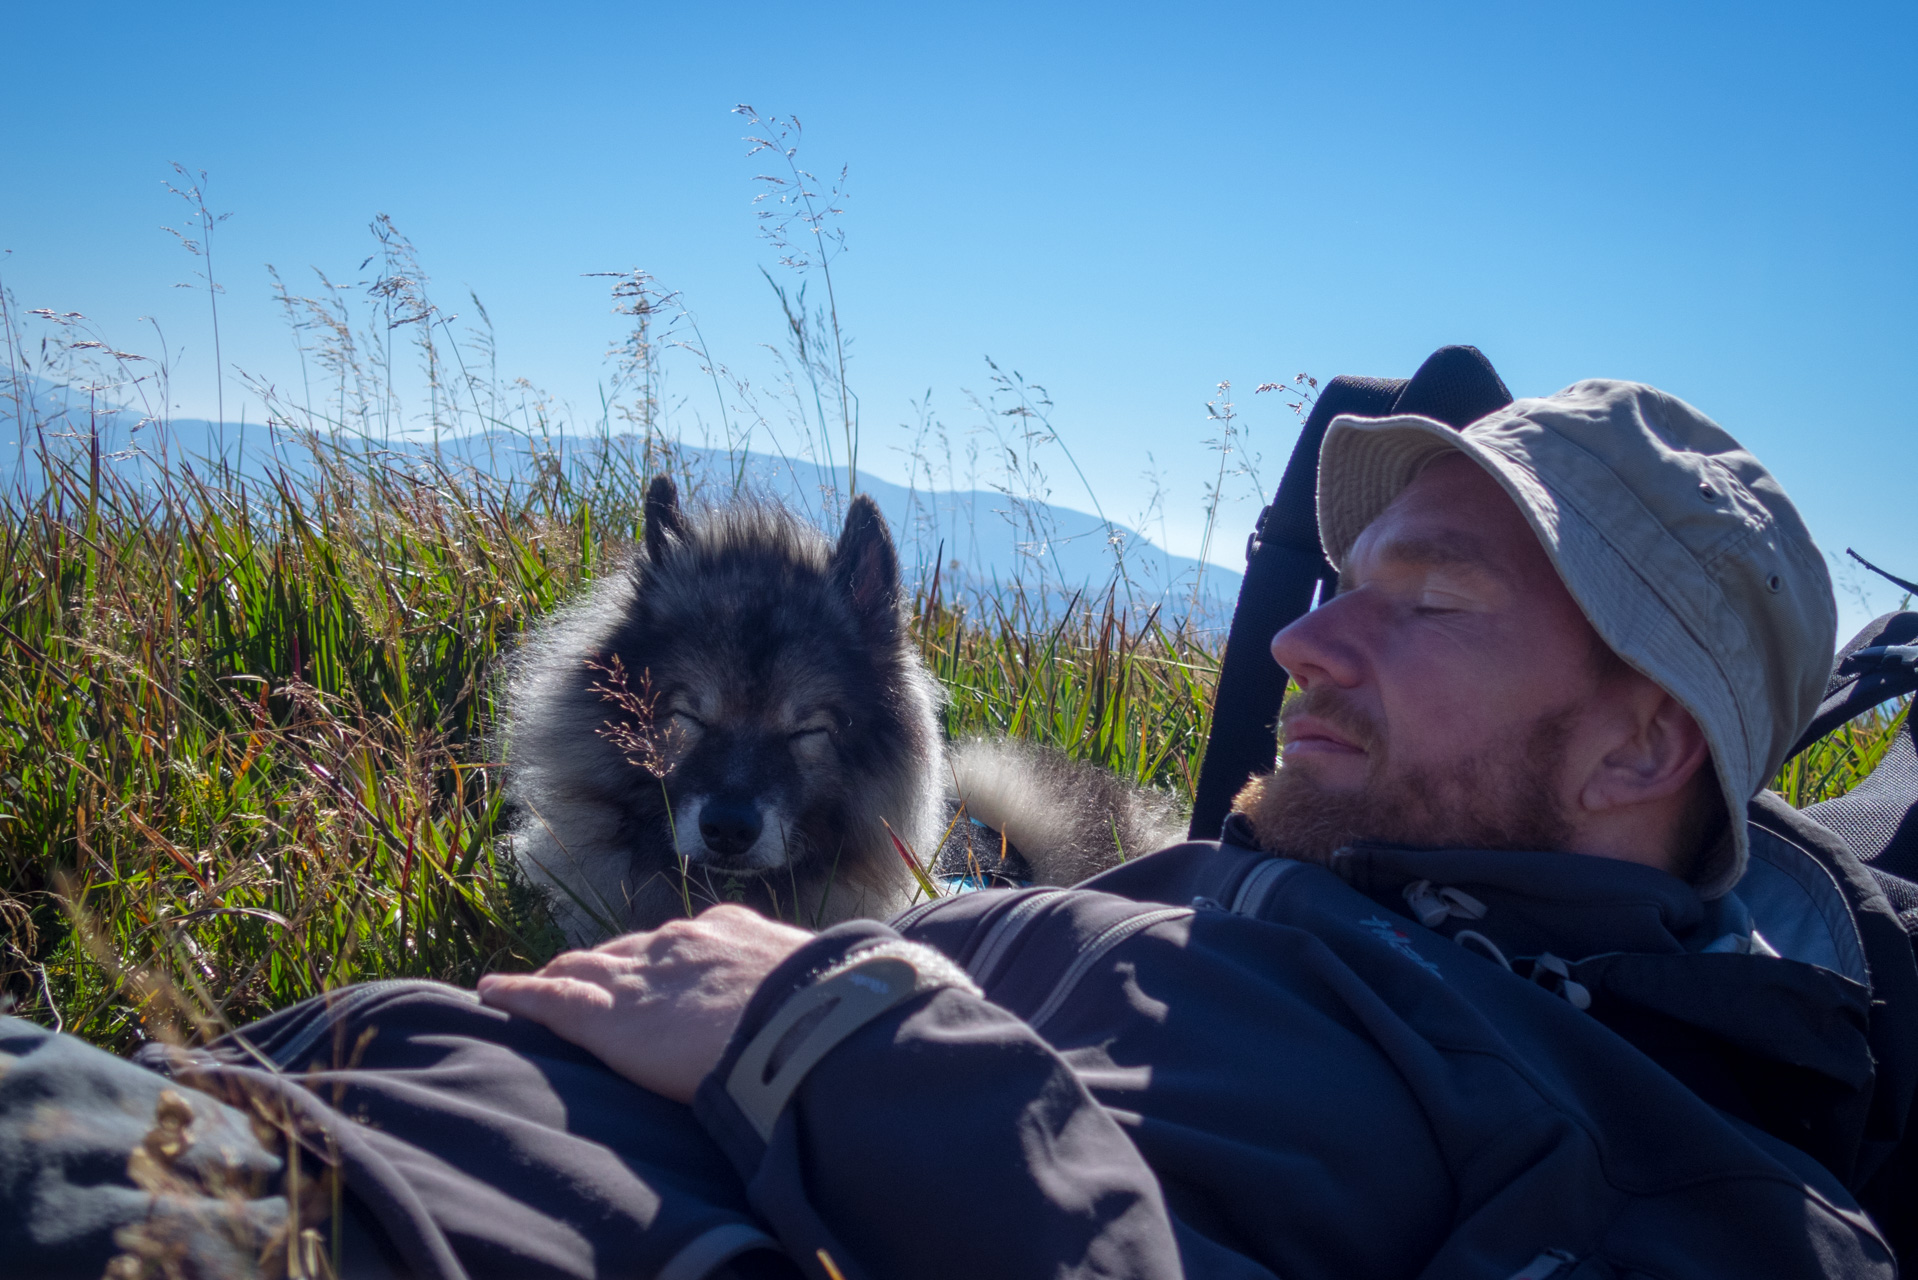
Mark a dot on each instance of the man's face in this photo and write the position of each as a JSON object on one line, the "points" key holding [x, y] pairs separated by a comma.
{"points": [[1441, 691]]}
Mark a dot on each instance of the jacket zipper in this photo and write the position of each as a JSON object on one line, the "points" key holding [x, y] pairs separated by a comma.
{"points": [[1260, 884], [1096, 951], [1003, 933]]}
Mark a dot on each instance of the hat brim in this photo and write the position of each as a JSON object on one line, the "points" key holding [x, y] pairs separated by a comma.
{"points": [[1365, 463]]}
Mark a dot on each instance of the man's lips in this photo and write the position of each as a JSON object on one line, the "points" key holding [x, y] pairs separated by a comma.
{"points": [[1309, 735]]}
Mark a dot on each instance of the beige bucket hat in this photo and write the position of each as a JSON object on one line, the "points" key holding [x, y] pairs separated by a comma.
{"points": [[1682, 550]]}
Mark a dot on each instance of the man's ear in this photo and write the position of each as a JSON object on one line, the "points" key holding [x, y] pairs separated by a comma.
{"points": [[1656, 751], [665, 522], [866, 568]]}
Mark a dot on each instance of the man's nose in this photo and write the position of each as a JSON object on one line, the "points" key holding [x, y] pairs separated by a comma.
{"points": [[1319, 646]]}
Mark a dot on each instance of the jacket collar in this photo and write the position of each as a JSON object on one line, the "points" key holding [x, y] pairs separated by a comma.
{"points": [[1572, 905], [1780, 1043]]}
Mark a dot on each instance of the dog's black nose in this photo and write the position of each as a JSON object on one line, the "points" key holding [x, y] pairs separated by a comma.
{"points": [[729, 826]]}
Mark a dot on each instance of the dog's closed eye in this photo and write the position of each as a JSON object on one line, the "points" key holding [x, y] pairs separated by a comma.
{"points": [[812, 731]]}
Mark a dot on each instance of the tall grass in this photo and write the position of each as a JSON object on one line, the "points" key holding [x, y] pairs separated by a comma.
{"points": [[244, 715], [243, 753], [1843, 758], [241, 734]]}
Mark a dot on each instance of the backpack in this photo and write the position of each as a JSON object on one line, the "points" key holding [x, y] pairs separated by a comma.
{"points": [[1878, 817], [1875, 826], [1857, 853]]}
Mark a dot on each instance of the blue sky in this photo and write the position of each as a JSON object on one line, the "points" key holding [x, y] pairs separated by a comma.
{"points": [[1126, 203]]}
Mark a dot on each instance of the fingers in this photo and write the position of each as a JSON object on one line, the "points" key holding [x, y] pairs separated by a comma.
{"points": [[631, 946], [723, 921], [587, 966], [557, 1003], [726, 950], [656, 1007]]}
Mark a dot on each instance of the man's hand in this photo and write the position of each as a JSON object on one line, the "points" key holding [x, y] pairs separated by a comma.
{"points": [[656, 1007]]}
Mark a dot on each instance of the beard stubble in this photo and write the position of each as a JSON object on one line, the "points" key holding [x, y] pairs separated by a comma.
{"points": [[1504, 797]]}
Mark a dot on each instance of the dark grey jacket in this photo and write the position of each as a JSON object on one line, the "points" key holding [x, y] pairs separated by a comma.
{"points": [[1209, 1062], [1206, 1063]]}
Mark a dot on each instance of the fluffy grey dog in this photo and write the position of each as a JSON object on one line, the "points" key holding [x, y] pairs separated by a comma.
{"points": [[742, 715]]}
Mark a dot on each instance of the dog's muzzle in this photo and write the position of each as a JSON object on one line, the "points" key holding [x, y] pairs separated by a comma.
{"points": [[736, 835], [730, 827]]}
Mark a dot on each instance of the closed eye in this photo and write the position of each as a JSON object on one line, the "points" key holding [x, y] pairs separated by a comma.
{"points": [[815, 730], [1431, 604], [688, 717]]}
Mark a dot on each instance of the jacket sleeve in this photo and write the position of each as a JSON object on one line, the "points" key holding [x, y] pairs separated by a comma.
{"points": [[922, 1131]]}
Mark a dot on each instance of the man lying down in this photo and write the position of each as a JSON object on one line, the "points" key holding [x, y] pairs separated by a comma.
{"points": [[1461, 990]]}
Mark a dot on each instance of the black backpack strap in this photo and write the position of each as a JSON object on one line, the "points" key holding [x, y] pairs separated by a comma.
{"points": [[1286, 569], [1880, 662]]}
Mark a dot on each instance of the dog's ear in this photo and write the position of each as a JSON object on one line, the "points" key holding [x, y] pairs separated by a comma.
{"points": [[665, 522], [866, 568]]}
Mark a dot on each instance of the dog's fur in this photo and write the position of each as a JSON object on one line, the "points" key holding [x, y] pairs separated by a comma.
{"points": [[1068, 820], [742, 714]]}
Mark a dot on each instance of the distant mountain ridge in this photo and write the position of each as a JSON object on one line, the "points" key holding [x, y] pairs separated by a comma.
{"points": [[981, 537]]}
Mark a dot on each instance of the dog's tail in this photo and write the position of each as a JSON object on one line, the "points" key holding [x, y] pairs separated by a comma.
{"points": [[1068, 818]]}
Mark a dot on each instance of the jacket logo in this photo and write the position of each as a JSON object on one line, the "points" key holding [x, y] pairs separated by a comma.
{"points": [[1388, 933]]}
